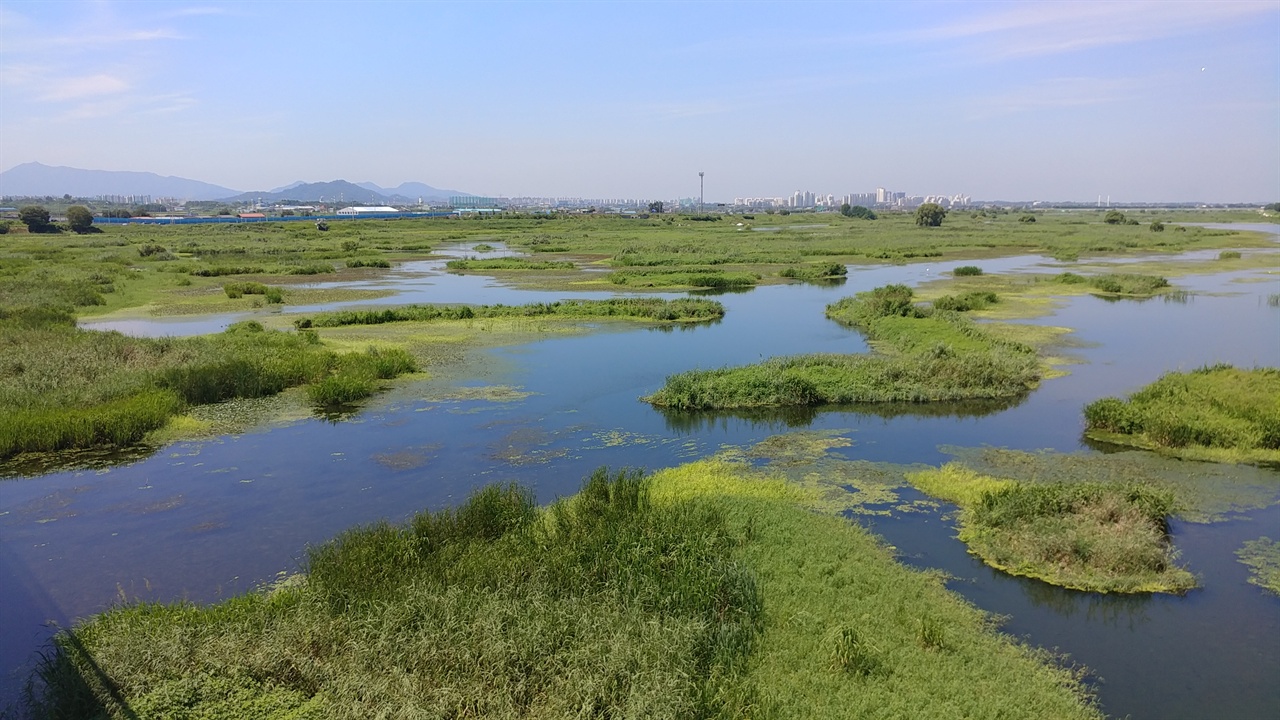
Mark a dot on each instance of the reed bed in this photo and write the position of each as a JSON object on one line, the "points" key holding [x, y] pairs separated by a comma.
{"points": [[820, 271], [66, 388], [1216, 407], [927, 356], [509, 263], [710, 278], [656, 309], [1100, 537], [605, 605]]}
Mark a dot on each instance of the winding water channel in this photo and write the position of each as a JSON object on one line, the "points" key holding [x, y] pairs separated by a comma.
{"points": [[203, 520]]}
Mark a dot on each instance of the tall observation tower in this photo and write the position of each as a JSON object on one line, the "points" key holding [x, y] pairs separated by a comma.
{"points": [[700, 195]]}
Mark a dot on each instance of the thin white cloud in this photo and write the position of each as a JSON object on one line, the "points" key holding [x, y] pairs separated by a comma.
{"points": [[1045, 28], [75, 88]]}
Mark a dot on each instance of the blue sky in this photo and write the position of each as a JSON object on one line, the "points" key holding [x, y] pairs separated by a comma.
{"points": [[1142, 101]]}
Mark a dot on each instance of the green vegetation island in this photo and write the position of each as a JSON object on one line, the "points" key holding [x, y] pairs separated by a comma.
{"points": [[1217, 413], [714, 588], [928, 354]]}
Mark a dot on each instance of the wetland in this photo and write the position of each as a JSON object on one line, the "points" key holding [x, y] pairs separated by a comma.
{"points": [[210, 508]]}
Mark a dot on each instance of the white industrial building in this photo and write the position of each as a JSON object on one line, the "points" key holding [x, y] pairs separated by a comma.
{"points": [[355, 211]]}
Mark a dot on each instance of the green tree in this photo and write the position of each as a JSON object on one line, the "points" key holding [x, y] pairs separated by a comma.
{"points": [[655, 207], [35, 217], [930, 215], [1114, 217], [79, 218], [857, 211], [1157, 226]]}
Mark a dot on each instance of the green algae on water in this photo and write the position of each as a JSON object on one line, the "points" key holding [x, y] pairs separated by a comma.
{"points": [[1262, 556], [1204, 492]]}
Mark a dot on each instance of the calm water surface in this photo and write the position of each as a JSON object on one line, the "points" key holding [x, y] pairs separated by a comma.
{"points": [[205, 520]]}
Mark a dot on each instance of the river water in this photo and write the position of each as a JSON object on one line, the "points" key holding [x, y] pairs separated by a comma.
{"points": [[205, 520]]}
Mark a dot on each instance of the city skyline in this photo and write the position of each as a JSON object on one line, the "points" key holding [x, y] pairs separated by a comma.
{"points": [[1139, 101]]}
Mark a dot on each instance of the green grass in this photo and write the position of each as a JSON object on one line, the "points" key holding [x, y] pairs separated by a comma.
{"points": [[1217, 412], [705, 591], [368, 263], [925, 356], [680, 310], [713, 278], [509, 263], [1262, 556], [811, 273], [1100, 537], [143, 264], [66, 388], [1118, 283], [606, 605]]}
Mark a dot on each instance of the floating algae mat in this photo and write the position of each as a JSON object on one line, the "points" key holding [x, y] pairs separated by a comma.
{"points": [[1262, 556], [807, 458], [1205, 492]]}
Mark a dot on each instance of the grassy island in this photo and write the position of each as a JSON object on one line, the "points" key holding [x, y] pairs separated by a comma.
{"points": [[927, 354], [709, 590], [1219, 413], [64, 388], [1101, 537], [652, 309]]}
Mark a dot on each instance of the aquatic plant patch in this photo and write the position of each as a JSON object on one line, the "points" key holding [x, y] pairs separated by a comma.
{"points": [[926, 356], [711, 278], [1220, 408], [509, 263], [655, 309], [820, 271], [1203, 492], [1262, 556], [1101, 537], [64, 388]]}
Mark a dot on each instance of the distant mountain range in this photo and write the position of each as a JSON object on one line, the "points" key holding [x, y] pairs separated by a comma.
{"points": [[35, 179]]}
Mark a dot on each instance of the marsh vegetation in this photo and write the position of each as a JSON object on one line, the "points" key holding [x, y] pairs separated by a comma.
{"points": [[926, 354], [65, 388], [653, 309], [666, 597], [809, 615], [1101, 537], [1218, 412], [1262, 556]]}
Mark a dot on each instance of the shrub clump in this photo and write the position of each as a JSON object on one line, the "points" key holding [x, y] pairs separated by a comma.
{"points": [[967, 270]]}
